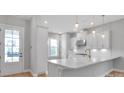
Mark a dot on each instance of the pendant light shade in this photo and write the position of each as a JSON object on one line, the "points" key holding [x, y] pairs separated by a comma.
{"points": [[93, 24], [76, 24]]}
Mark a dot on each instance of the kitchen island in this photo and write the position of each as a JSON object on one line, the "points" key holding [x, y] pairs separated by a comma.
{"points": [[80, 67]]}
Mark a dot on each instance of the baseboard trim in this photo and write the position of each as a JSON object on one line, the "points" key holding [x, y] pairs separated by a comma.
{"points": [[34, 74], [29, 70]]}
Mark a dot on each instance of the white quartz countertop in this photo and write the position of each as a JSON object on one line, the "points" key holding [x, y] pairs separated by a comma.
{"points": [[75, 63]]}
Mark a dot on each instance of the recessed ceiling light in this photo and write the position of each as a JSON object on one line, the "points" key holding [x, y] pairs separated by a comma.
{"points": [[45, 22]]}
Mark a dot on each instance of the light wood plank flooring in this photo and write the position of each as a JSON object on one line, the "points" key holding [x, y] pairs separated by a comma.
{"points": [[115, 74], [25, 74]]}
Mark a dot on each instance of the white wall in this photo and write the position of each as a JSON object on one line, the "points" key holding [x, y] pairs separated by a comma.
{"points": [[118, 43], [10, 20], [33, 42], [39, 53], [27, 45]]}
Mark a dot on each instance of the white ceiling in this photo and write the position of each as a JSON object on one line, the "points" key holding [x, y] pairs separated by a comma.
{"points": [[65, 23], [25, 17]]}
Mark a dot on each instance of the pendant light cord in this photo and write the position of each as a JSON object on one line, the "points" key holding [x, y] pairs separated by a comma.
{"points": [[76, 19], [103, 22]]}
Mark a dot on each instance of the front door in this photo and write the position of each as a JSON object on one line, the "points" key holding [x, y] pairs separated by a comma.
{"points": [[11, 49]]}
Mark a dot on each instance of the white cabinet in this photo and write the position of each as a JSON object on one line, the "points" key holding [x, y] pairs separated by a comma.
{"points": [[39, 54], [104, 40], [81, 35], [63, 45], [92, 41], [99, 40], [89, 41], [73, 43]]}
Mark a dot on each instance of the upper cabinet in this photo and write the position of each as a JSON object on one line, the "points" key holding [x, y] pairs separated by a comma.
{"points": [[89, 41], [92, 41], [99, 40]]}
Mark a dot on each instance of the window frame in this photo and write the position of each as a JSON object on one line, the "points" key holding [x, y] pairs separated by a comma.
{"points": [[49, 47], [11, 46]]}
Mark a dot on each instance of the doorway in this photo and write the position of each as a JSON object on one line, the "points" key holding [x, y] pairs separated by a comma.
{"points": [[12, 59]]}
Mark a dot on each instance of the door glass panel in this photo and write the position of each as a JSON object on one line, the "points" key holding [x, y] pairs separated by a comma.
{"points": [[11, 46]]}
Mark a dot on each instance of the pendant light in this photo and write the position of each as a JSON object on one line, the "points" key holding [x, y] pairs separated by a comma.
{"points": [[77, 23], [93, 24], [103, 34]]}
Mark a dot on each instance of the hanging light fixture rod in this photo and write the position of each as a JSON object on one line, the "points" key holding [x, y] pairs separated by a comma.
{"points": [[103, 35], [93, 21], [103, 16]]}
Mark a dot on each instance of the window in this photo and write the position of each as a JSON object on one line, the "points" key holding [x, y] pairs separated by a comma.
{"points": [[11, 46], [53, 48]]}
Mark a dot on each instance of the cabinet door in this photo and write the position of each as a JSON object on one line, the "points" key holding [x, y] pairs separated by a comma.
{"points": [[92, 41], [100, 41], [73, 43], [89, 41], [106, 40]]}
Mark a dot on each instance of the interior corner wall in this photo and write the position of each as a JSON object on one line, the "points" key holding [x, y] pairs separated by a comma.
{"points": [[11, 20], [27, 42]]}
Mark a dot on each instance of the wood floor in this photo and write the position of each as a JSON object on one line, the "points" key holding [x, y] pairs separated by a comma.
{"points": [[28, 74], [115, 74]]}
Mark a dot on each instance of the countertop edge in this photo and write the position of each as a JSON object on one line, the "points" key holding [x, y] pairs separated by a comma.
{"points": [[67, 67]]}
